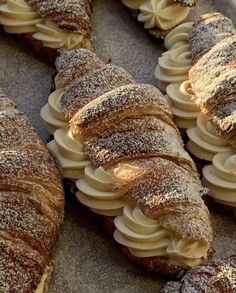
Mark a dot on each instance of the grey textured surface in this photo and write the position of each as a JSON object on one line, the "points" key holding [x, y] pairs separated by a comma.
{"points": [[86, 259]]}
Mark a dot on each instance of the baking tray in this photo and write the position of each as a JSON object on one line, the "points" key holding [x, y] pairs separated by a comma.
{"points": [[86, 259]]}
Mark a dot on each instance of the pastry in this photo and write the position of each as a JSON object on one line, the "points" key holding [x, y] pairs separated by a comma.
{"points": [[186, 44], [218, 276], [212, 85], [215, 95], [159, 16], [31, 204], [118, 143], [45, 26]]}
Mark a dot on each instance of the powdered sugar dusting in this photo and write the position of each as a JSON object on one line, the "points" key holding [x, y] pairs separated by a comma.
{"points": [[31, 202], [67, 14], [215, 276], [94, 84], [171, 179], [208, 31], [74, 64]]}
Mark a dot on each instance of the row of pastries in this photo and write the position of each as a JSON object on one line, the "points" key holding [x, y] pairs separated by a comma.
{"points": [[116, 141], [175, 66]]}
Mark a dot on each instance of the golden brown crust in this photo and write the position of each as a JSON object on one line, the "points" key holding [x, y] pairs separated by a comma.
{"points": [[210, 29], [74, 64], [161, 142], [123, 102], [17, 131], [67, 14], [213, 80], [31, 203], [168, 190], [139, 142], [218, 276], [94, 84], [142, 123]]}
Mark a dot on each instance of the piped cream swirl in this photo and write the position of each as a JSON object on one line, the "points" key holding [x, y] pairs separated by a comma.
{"points": [[179, 36], [204, 142], [95, 192], [43, 283], [145, 237], [220, 178], [68, 150], [18, 17], [183, 107], [69, 153], [163, 14], [173, 66], [54, 37], [52, 113]]}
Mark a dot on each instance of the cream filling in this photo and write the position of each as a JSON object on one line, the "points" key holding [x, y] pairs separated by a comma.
{"points": [[18, 17], [183, 107], [68, 150], [173, 66], [144, 237], [52, 114], [179, 36], [41, 286], [54, 37], [58, 83], [95, 192], [204, 142], [69, 153], [163, 14], [220, 178]]}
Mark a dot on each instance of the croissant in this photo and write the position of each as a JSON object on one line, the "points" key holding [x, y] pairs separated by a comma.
{"points": [[159, 16], [214, 276], [115, 138], [204, 104], [215, 93], [31, 204], [45, 26], [186, 44]]}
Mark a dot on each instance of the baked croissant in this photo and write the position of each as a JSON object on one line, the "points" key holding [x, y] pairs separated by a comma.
{"points": [[205, 104], [186, 44], [209, 30], [45, 26], [116, 140], [218, 276], [159, 16], [31, 204], [215, 93]]}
